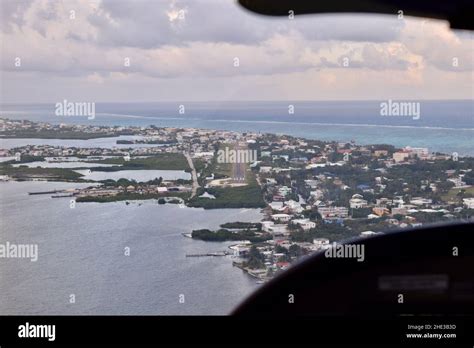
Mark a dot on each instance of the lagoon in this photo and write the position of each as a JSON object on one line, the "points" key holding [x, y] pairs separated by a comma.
{"points": [[81, 252]]}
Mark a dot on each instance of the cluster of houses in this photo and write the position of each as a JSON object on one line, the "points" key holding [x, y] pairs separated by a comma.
{"points": [[280, 160], [287, 208], [138, 188], [199, 142]]}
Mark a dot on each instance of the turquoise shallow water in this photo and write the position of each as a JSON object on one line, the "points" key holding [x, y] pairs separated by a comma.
{"points": [[81, 249], [443, 126]]}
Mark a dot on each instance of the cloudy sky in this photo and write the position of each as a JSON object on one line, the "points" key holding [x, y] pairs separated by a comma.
{"points": [[109, 50]]}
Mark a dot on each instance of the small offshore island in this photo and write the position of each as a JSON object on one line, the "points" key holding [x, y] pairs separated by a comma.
{"points": [[312, 193]]}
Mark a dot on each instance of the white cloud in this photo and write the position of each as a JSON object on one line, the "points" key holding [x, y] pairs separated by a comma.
{"points": [[175, 42]]}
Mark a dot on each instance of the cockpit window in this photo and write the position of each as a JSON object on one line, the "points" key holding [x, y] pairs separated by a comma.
{"points": [[169, 157]]}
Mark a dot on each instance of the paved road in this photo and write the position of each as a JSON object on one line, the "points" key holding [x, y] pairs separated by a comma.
{"points": [[238, 169], [193, 174]]}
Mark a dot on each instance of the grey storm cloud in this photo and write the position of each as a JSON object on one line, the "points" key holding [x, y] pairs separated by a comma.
{"points": [[8, 11], [145, 24], [184, 38], [185, 43]]}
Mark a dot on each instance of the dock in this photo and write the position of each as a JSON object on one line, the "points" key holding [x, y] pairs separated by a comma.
{"points": [[219, 253], [45, 192]]}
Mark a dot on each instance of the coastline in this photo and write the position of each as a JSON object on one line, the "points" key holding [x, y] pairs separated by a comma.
{"points": [[294, 181]]}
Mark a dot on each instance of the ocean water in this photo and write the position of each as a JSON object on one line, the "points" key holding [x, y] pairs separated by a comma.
{"points": [[443, 126], [81, 252], [67, 164]]}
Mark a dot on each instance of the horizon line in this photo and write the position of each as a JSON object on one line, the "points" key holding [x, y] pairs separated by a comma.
{"points": [[243, 101]]}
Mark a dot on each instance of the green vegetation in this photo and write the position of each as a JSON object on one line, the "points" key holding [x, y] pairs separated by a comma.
{"points": [[219, 170], [361, 213], [132, 196], [256, 259], [200, 165], [280, 249], [22, 173], [59, 134], [469, 177], [183, 182], [162, 161], [126, 182], [223, 170], [25, 159], [243, 225], [295, 251], [376, 225], [457, 194], [223, 235], [333, 232], [157, 142], [249, 196]]}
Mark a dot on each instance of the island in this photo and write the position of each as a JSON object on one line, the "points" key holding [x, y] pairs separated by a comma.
{"points": [[311, 193]]}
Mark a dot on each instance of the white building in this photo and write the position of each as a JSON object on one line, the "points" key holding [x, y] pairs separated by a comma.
{"points": [[294, 206], [207, 195], [203, 154], [276, 205], [321, 242], [457, 182], [240, 249], [305, 224], [271, 227], [281, 217], [399, 211], [420, 201], [468, 202], [279, 229], [266, 225], [400, 156], [284, 190], [317, 194], [333, 212], [357, 202], [312, 183], [420, 152]]}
